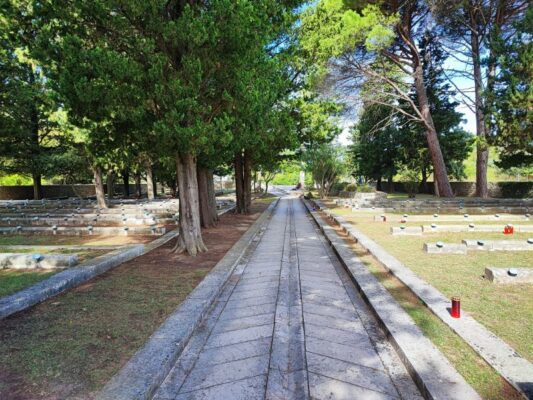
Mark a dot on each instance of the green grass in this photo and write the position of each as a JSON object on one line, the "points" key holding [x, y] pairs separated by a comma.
{"points": [[506, 310], [84, 335], [481, 376], [43, 240], [71, 345], [12, 281]]}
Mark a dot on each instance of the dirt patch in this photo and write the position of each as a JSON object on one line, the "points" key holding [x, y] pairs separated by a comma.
{"points": [[69, 346]]}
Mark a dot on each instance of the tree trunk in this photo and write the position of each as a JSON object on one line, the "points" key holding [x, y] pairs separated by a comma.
{"points": [[34, 119], [207, 218], [154, 182], [149, 181], [138, 187], [190, 234], [439, 168], [482, 149], [37, 187], [212, 196], [110, 181], [239, 183], [247, 181], [99, 187], [391, 184], [378, 185], [126, 182]]}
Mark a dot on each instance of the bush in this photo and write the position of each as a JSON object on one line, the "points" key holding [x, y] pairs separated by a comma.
{"points": [[350, 187], [411, 182], [365, 188], [516, 190]]}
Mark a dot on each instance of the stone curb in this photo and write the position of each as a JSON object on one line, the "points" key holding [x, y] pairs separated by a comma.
{"points": [[73, 277], [65, 280], [498, 354], [147, 369], [434, 375]]}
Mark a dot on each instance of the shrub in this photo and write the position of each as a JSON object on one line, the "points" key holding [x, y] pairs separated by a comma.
{"points": [[350, 187], [517, 190], [365, 188]]}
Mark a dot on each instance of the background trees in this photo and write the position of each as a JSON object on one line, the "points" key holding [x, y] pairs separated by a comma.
{"points": [[513, 99], [471, 30]]}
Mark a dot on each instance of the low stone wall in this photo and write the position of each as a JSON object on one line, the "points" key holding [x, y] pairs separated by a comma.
{"points": [[55, 191], [468, 189]]}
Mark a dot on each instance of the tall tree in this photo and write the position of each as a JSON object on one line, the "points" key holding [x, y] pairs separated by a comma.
{"points": [[470, 27], [376, 45], [375, 152], [455, 142], [513, 100], [31, 135]]}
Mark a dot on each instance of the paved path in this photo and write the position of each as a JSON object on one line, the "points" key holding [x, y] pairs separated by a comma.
{"points": [[288, 325]]}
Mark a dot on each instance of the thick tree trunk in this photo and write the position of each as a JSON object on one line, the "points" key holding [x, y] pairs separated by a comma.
{"points": [[247, 181], [110, 181], [378, 184], [37, 187], [207, 218], [482, 149], [239, 183], [138, 187], [439, 168], [390, 183], [190, 234], [126, 182], [149, 181], [99, 187]]}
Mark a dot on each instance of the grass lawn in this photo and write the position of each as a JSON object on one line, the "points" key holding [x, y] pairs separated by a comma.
{"points": [[12, 281], [506, 310], [43, 240], [71, 345], [481, 376]]}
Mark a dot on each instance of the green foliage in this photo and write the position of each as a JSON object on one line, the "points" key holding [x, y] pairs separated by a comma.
{"points": [[513, 99], [32, 135], [365, 188], [350, 187], [14, 180], [516, 190], [375, 152], [326, 163], [411, 181], [455, 142]]}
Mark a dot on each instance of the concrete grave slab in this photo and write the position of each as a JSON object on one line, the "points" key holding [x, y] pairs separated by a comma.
{"points": [[445, 248], [503, 275]]}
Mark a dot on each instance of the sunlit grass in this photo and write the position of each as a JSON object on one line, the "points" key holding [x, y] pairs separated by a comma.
{"points": [[506, 310]]}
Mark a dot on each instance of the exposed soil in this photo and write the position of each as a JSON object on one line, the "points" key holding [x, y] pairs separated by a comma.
{"points": [[70, 346]]}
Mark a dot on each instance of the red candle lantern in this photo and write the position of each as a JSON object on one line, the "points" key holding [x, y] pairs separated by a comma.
{"points": [[456, 307]]}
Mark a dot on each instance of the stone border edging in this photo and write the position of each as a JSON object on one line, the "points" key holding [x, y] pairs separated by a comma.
{"points": [[497, 353], [68, 279], [149, 366], [432, 372], [65, 280]]}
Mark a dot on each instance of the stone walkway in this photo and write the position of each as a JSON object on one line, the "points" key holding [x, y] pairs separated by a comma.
{"points": [[289, 325]]}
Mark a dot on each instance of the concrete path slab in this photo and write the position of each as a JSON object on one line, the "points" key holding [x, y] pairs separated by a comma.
{"points": [[289, 325]]}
